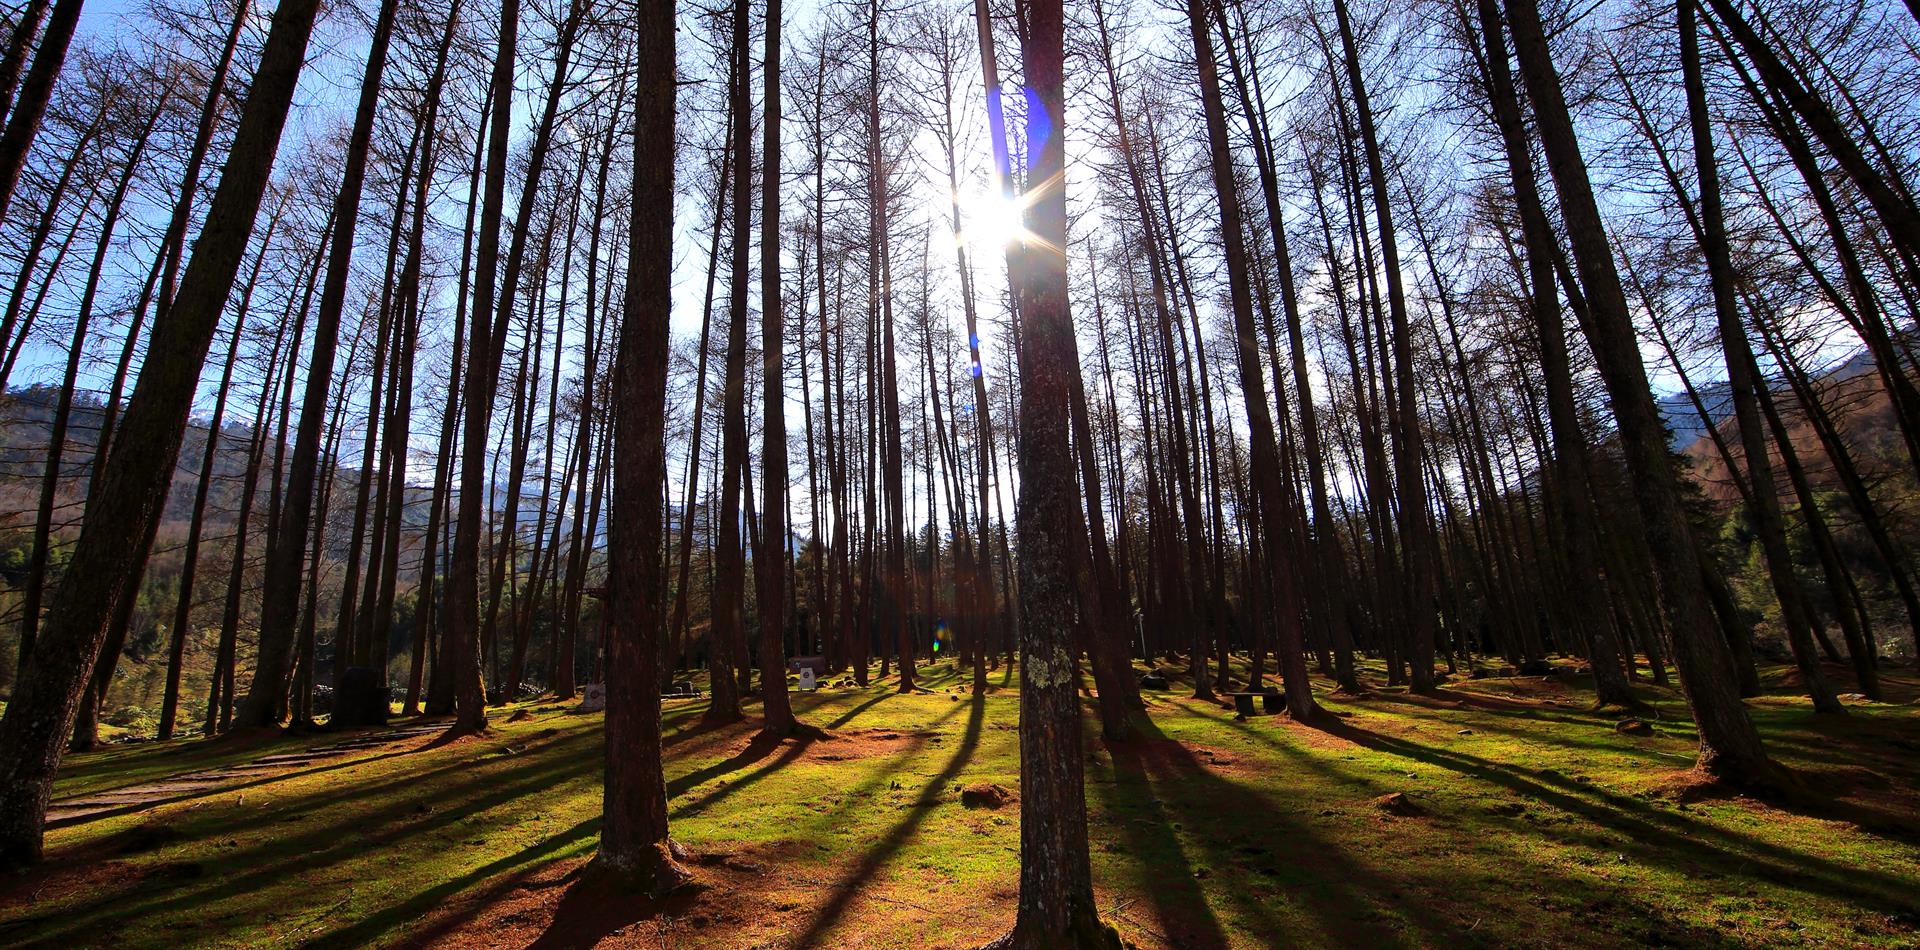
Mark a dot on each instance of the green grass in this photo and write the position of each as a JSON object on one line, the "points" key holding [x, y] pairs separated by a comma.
{"points": [[1541, 826]]}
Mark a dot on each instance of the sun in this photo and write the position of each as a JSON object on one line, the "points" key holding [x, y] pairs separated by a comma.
{"points": [[989, 219]]}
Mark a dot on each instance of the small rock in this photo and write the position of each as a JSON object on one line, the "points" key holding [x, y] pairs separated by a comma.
{"points": [[985, 795], [1397, 803]]}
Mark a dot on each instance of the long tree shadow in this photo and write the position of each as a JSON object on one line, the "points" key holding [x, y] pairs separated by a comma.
{"points": [[596, 905], [795, 747], [320, 847], [227, 752], [757, 748], [854, 713], [849, 885], [1187, 920], [1433, 913], [346, 792], [590, 909], [369, 929], [1600, 735], [1201, 798], [1657, 837]]}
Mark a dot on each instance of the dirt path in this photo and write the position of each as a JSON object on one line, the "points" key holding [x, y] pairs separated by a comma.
{"points": [[136, 798]]}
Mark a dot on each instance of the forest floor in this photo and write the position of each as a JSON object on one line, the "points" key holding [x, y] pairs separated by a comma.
{"points": [[1501, 812]]}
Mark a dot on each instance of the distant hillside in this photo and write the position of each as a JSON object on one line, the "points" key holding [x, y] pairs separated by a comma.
{"points": [[1852, 394], [26, 430], [1683, 417]]}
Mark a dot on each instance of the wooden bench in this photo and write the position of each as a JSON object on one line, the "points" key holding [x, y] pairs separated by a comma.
{"points": [[1271, 700]]}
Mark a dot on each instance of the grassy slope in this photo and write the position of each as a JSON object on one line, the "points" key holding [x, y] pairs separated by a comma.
{"points": [[1542, 826]]}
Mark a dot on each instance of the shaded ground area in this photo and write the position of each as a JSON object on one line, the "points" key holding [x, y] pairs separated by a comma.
{"points": [[1502, 812]]}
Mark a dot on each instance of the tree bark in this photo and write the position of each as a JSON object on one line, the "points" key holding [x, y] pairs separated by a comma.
{"points": [[633, 836], [36, 89], [1730, 747], [281, 589], [40, 714], [1574, 493], [1743, 377], [777, 714], [1056, 907]]}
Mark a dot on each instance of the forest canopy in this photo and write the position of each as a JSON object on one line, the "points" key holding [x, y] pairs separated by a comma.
{"points": [[405, 370]]}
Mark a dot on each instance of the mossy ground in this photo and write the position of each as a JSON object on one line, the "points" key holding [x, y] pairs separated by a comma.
{"points": [[1534, 823]]}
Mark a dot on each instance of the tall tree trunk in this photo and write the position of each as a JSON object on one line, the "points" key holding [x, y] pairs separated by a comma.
{"points": [[424, 613], [40, 715], [281, 591], [209, 459], [585, 435], [462, 633], [23, 124], [1266, 473], [772, 564], [1575, 494], [633, 834], [1056, 907], [893, 587], [1415, 527], [1855, 625], [1330, 561], [1743, 377], [1730, 747], [482, 404], [726, 634], [683, 587]]}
